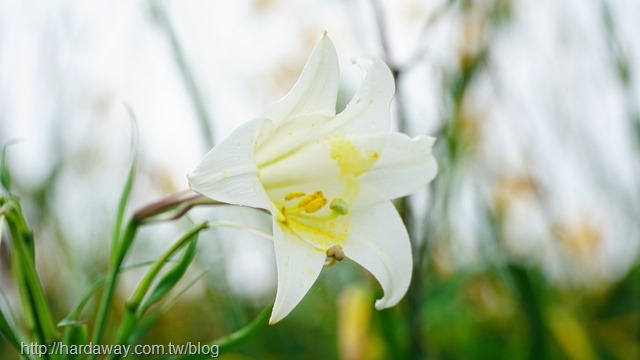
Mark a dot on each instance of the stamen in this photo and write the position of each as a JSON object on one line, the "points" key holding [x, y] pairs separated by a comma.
{"points": [[315, 205], [309, 198], [294, 195], [339, 206], [282, 217], [335, 251], [306, 200]]}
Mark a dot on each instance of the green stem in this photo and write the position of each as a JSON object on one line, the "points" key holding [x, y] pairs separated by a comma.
{"points": [[121, 246], [35, 307], [133, 304], [112, 277], [134, 311], [147, 280]]}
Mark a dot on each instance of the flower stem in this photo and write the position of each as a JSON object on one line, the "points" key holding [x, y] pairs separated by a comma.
{"points": [[135, 307], [165, 204], [112, 276], [132, 315], [184, 200]]}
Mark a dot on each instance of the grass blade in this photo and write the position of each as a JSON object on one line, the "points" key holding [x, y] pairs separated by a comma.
{"points": [[35, 308], [121, 242], [128, 185], [171, 278], [5, 176], [8, 333]]}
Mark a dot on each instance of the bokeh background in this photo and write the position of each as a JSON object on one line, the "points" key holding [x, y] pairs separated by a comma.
{"points": [[526, 245]]}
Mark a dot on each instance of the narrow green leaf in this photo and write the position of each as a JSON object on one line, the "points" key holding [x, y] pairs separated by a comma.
{"points": [[8, 332], [77, 334], [144, 325], [34, 293], [171, 278], [5, 177], [2, 217], [75, 311], [532, 308], [72, 317], [34, 305], [128, 185], [121, 242], [147, 322], [131, 317], [26, 311]]}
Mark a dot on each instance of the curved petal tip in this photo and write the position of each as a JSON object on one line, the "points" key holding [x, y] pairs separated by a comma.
{"points": [[316, 90]]}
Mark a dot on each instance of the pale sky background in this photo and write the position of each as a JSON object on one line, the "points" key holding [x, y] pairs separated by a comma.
{"points": [[550, 106]]}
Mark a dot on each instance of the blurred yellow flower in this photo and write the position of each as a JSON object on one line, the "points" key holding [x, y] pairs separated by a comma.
{"points": [[326, 178]]}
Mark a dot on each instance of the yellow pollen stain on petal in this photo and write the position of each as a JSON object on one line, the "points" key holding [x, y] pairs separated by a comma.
{"points": [[294, 195], [350, 160], [315, 205], [320, 234]]}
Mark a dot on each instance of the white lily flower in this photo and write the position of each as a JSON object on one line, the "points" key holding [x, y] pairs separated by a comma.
{"points": [[326, 178]]}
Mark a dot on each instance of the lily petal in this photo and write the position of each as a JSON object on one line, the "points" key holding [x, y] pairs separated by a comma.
{"points": [[404, 166], [379, 242], [325, 178], [316, 90], [299, 265], [228, 172], [309, 164], [283, 140], [368, 110]]}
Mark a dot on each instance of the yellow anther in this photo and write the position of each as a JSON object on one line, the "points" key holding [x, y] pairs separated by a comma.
{"points": [[282, 217], [309, 198], [335, 251], [294, 195], [339, 206], [315, 205]]}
